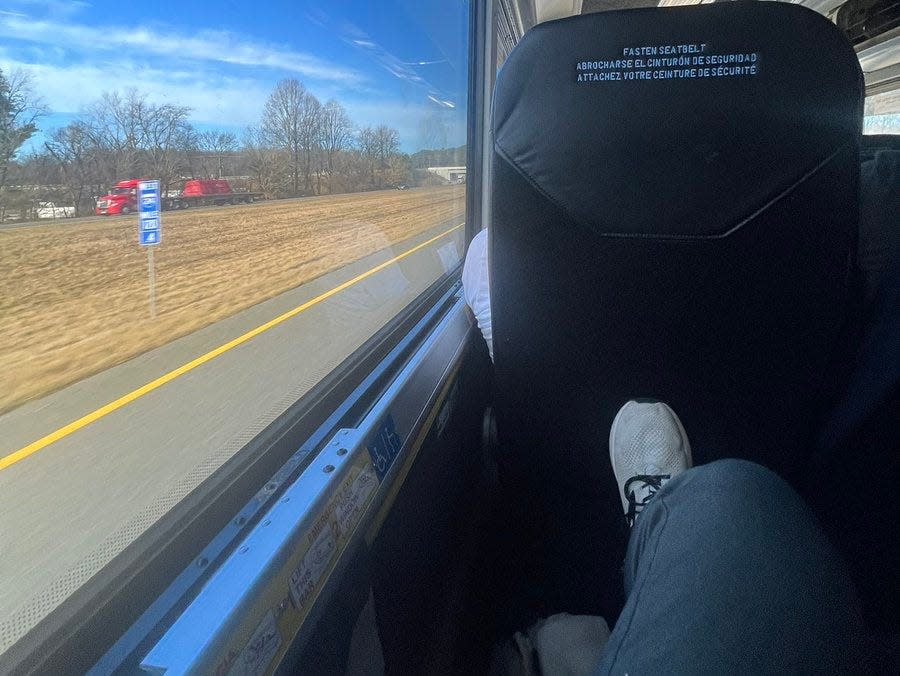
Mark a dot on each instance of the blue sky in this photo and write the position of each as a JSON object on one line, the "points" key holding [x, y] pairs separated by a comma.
{"points": [[398, 62]]}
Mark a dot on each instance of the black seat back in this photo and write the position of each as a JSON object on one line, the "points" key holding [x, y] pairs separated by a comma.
{"points": [[673, 216]]}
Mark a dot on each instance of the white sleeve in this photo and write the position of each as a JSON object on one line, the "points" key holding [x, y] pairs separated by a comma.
{"points": [[476, 286]]}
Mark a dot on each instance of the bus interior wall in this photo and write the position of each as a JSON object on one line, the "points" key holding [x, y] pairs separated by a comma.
{"points": [[425, 560], [423, 574]]}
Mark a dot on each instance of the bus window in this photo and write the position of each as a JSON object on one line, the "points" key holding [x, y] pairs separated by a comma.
{"points": [[242, 202], [882, 113]]}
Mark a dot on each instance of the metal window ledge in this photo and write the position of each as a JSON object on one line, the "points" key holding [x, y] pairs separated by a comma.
{"points": [[253, 607]]}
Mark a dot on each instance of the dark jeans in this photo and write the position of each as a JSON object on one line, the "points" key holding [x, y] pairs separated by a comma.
{"points": [[727, 572]]}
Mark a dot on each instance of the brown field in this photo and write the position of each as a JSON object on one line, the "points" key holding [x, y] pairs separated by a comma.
{"points": [[73, 297]]}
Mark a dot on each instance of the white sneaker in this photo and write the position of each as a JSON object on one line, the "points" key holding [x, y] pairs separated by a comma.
{"points": [[647, 446]]}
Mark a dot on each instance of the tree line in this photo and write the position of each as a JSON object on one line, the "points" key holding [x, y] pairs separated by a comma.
{"points": [[301, 146]]}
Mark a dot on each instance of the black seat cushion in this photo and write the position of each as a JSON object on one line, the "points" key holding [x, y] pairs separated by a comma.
{"points": [[857, 463]]}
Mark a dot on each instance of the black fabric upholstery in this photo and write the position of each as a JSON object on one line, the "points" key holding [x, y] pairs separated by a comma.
{"points": [[687, 239], [857, 459]]}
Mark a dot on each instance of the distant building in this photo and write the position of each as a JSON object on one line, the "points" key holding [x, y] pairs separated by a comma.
{"points": [[452, 174]]}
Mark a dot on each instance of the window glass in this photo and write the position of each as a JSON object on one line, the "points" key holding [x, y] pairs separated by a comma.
{"points": [[882, 113], [202, 213]]}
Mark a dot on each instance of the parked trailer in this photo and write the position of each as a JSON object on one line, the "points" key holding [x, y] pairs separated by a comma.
{"points": [[51, 210], [122, 197]]}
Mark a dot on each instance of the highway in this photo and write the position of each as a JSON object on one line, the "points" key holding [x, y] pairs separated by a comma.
{"points": [[87, 469]]}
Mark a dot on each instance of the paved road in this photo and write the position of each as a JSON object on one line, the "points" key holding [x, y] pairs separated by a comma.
{"points": [[69, 507]]}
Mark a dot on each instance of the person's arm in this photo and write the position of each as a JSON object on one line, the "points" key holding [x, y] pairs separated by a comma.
{"points": [[476, 286]]}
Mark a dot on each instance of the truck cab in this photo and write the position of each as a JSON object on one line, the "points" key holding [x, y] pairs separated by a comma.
{"points": [[121, 199]]}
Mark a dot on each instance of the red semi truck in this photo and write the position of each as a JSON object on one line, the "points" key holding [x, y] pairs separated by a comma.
{"points": [[122, 197]]}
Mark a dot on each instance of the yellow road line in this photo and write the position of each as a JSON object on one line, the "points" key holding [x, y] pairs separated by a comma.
{"points": [[75, 425]]}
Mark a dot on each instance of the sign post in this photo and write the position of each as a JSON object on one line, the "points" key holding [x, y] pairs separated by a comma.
{"points": [[149, 231]]}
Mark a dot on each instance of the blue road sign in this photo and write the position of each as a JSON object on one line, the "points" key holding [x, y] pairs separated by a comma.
{"points": [[149, 223]]}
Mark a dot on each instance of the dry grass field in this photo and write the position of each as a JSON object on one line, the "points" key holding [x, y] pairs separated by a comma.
{"points": [[73, 297]]}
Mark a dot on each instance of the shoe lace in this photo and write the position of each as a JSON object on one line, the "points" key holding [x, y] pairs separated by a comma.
{"points": [[651, 483]]}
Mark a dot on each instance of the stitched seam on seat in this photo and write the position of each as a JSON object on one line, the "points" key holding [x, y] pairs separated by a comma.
{"points": [[645, 235]]}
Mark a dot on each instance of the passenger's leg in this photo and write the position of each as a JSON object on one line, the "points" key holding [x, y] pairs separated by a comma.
{"points": [[727, 572]]}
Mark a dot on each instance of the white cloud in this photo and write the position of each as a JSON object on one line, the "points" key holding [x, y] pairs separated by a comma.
{"points": [[213, 99], [212, 46], [72, 64], [215, 73], [54, 7]]}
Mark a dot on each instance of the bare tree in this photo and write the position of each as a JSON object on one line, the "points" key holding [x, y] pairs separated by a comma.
{"points": [[165, 135], [399, 170], [19, 111], [352, 171], [384, 142], [387, 142], [113, 126], [282, 123], [310, 135], [267, 165], [336, 135], [367, 142], [73, 152], [218, 144]]}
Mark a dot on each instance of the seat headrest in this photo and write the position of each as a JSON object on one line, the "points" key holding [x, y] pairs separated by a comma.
{"points": [[689, 111]]}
